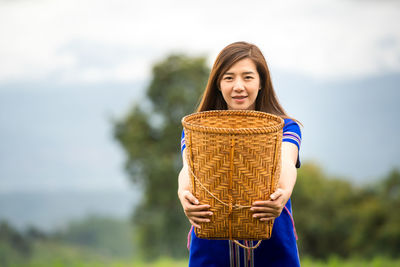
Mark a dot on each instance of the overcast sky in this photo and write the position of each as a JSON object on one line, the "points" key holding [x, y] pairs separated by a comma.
{"points": [[97, 41], [68, 64]]}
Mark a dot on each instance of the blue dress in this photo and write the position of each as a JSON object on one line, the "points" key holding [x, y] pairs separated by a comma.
{"points": [[280, 250]]}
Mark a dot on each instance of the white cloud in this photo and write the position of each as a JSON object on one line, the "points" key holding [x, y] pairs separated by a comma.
{"points": [[97, 41]]}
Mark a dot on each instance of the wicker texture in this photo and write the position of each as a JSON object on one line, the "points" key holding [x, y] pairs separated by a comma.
{"points": [[234, 160]]}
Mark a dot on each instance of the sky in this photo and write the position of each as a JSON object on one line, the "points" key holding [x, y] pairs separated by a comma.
{"points": [[67, 68], [99, 41]]}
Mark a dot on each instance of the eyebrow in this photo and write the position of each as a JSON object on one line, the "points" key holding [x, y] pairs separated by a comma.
{"points": [[246, 72]]}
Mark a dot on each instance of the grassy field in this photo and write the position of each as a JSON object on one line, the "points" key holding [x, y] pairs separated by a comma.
{"points": [[50, 254], [336, 262]]}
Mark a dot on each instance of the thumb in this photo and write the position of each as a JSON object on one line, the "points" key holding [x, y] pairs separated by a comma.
{"points": [[276, 194], [191, 198]]}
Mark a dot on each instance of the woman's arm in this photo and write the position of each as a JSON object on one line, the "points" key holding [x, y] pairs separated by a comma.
{"points": [[195, 212], [270, 209]]}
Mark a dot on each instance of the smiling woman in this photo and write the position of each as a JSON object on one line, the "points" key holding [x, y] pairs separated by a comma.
{"points": [[240, 80]]}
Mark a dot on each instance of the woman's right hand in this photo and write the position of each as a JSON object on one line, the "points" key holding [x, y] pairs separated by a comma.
{"points": [[195, 212]]}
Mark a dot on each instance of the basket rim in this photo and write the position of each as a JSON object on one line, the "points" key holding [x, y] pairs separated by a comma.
{"points": [[220, 130]]}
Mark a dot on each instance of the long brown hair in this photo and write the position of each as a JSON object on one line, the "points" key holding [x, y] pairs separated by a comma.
{"points": [[266, 100]]}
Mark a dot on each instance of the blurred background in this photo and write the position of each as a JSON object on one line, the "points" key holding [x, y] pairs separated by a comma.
{"points": [[91, 97]]}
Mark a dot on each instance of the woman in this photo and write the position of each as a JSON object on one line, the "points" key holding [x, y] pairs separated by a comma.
{"points": [[240, 80]]}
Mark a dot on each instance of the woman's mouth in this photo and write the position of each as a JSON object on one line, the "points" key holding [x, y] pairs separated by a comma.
{"points": [[239, 99]]}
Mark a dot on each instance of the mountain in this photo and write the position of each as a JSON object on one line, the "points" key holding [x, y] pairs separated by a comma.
{"points": [[53, 210]]}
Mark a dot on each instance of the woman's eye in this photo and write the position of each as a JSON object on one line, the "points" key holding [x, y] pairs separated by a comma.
{"points": [[227, 78], [248, 77]]}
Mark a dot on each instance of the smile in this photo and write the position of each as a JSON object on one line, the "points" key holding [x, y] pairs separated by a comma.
{"points": [[239, 99]]}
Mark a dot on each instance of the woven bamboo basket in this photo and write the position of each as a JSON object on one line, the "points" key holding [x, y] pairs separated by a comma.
{"points": [[234, 160]]}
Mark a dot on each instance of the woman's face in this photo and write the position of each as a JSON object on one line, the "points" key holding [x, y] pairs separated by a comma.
{"points": [[240, 85]]}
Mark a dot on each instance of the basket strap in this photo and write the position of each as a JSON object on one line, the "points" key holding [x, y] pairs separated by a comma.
{"points": [[248, 247], [273, 178], [190, 159], [230, 186], [236, 206]]}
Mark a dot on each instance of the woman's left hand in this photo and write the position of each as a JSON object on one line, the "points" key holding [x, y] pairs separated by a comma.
{"points": [[270, 209]]}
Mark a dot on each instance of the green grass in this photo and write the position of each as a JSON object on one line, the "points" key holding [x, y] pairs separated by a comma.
{"points": [[337, 262], [163, 262], [56, 254]]}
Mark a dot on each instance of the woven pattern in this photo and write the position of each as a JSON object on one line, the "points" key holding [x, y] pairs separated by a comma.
{"points": [[234, 160]]}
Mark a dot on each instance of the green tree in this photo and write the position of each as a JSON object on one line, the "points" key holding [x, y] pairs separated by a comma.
{"points": [[377, 224], [14, 247], [389, 234], [334, 217], [150, 136], [323, 211]]}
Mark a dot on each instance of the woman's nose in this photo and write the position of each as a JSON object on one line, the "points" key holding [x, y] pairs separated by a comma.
{"points": [[238, 85]]}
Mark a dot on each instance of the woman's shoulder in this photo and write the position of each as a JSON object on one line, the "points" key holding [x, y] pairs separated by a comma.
{"points": [[289, 121], [291, 125], [292, 132]]}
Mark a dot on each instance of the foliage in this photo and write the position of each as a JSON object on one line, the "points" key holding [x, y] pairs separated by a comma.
{"points": [[377, 228], [150, 137], [94, 240], [108, 236], [14, 247], [333, 217]]}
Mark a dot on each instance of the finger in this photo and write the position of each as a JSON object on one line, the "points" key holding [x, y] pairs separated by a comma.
{"points": [[203, 214], [194, 224], [266, 203], [264, 209], [265, 215], [272, 215], [261, 203], [276, 194], [189, 196], [191, 208], [200, 220]]}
